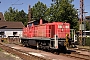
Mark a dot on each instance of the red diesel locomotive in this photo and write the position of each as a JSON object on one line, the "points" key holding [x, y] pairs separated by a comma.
{"points": [[49, 36]]}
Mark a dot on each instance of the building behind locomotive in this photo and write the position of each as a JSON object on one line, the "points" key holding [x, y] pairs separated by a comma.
{"points": [[52, 35]]}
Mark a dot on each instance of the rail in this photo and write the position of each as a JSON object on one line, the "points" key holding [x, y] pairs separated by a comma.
{"points": [[22, 54]]}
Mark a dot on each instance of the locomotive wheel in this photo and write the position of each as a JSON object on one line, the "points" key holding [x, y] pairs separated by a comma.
{"points": [[57, 51], [26, 44], [64, 49], [52, 50]]}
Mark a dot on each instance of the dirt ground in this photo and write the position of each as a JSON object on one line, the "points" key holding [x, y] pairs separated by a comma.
{"points": [[87, 47], [7, 56]]}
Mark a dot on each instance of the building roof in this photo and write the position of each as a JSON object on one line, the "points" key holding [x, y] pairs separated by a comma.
{"points": [[87, 17], [11, 25]]}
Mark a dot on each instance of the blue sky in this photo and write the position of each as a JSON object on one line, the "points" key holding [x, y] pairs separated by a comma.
{"points": [[23, 4]]}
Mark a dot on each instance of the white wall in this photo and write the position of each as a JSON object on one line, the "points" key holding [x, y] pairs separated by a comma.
{"points": [[9, 32]]}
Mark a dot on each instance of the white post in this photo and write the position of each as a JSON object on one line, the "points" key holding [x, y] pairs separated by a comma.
{"points": [[56, 41]]}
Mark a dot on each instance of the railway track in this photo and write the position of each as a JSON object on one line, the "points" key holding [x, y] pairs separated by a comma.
{"points": [[22, 54], [82, 49], [26, 56], [77, 56]]}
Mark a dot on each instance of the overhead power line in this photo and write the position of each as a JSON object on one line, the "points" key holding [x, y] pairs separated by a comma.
{"points": [[16, 3]]}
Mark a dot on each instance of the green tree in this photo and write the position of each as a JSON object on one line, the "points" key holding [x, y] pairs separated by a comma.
{"points": [[39, 11], [13, 14], [9, 15], [21, 16], [87, 25], [64, 11]]}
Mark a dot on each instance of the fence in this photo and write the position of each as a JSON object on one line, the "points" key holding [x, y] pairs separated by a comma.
{"points": [[15, 40], [12, 39]]}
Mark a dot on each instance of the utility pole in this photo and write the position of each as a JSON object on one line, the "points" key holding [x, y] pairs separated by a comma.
{"points": [[29, 14], [81, 20]]}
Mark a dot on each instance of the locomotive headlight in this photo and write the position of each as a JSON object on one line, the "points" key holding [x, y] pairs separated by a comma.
{"points": [[66, 26], [59, 26]]}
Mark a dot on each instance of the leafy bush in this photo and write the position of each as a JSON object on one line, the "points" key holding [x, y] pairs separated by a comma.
{"points": [[87, 42]]}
